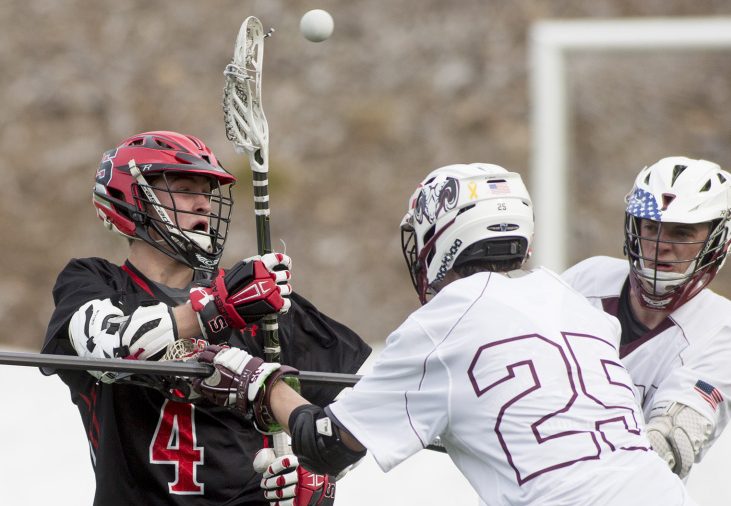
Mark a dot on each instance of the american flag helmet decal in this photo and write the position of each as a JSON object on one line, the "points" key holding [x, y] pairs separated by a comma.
{"points": [[642, 204]]}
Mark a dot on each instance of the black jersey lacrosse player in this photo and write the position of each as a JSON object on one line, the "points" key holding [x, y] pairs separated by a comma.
{"points": [[150, 443]]}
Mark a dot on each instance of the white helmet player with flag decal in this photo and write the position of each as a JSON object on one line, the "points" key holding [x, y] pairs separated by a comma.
{"points": [[676, 333], [669, 266], [466, 217]]}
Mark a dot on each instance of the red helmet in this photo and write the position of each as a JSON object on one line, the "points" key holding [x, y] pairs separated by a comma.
{"points": [[125, 202]]}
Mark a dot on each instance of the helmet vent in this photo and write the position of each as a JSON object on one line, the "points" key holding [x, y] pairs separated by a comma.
{"points": [[206, 158], [706, 186], [429, 233], [162, 144], [667, 199], [195, 141], [677, 171], [721, 178], [465, 208], [503, 227]]}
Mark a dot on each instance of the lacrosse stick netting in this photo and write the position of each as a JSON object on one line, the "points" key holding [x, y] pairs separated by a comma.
{"points": [[247, 129]]}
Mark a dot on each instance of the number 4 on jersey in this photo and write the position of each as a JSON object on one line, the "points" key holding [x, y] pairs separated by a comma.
{"points": [[174, 443]]}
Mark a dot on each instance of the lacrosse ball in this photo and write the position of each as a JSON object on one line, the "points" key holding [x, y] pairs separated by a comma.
{"points": [[317, 25]]}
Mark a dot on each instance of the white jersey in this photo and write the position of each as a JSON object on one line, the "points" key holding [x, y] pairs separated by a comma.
{"points": [[685, 359], [521, 379]]}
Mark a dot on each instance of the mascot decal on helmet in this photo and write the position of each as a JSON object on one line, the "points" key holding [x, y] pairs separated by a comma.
{"points": [[436, 197]]}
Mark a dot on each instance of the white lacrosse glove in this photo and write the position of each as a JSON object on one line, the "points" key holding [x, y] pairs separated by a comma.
{"points": [[146, 332], [286, 483], [678, 435], [99, 329]]}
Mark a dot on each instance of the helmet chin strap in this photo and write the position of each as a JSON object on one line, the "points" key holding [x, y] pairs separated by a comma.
{"points": [[665, 282], [202, 240]]}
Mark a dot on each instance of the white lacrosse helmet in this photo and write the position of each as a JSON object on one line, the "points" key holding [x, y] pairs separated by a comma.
{"points": [[465, 214], [677, 190]]}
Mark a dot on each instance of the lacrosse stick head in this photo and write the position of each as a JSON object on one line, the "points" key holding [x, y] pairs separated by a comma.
{"points": [[246, 125], [180, 349]]}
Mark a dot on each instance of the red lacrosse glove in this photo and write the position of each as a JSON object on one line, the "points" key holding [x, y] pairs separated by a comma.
{"points": [[286, 483], [251, 289]]}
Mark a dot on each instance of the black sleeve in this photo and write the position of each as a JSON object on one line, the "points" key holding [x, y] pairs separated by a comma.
{"points": [[79, 282], [312, 341]]}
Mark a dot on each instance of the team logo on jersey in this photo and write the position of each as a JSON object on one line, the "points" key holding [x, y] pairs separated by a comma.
{"points": [[436, 198]]}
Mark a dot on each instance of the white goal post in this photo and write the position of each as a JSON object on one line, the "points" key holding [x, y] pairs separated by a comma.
{"points": [[550, 43]]}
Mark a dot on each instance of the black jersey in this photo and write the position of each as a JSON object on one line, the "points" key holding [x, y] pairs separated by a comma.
{"points": [[146, 449]]}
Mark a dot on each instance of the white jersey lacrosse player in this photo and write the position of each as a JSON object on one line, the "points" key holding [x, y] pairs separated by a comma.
{"points": [[676, 333], [515, 371]]}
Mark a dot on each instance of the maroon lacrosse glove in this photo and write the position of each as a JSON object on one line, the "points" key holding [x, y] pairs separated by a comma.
{"points": [[241, 383], [251, 289]]}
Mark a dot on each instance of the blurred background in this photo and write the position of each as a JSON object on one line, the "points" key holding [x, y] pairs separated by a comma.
{"points": [[402, 87]]}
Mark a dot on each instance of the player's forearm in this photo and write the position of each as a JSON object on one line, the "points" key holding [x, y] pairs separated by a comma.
{"points": [[187, 322], [284, 400]]}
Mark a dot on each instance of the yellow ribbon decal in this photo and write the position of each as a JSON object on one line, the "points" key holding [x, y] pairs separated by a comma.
{"points": [[473, 190]]}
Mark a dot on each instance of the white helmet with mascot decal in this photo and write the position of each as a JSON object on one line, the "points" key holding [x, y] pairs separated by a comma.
{"points": [[676, 190], [466, 217]]}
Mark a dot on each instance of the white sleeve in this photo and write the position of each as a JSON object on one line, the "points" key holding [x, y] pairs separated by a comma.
{"points": [[701, 383], [99, 329], [402, 405]]}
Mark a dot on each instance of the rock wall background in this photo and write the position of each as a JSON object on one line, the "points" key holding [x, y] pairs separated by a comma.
{"points": [[402, 87]]}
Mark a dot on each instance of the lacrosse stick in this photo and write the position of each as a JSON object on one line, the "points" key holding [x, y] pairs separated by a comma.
{"points": [[247, 129], [166, 368]]}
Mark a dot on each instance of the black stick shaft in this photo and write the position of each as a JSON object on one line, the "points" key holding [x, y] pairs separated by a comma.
{"points": [[185, 369], [264, 246], [261, 208]]}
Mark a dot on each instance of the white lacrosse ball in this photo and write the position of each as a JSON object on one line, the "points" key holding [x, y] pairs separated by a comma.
{"points": [[317, 25]]}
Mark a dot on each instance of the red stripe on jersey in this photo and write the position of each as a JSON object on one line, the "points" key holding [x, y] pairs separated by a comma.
{"points": [[138, 280]]}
